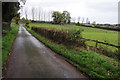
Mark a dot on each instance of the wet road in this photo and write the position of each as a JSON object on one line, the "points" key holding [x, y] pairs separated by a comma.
{"points": [[31, 59]]}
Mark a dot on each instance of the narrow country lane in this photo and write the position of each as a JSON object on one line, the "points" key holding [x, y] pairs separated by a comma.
{"points": [[31, 59]]}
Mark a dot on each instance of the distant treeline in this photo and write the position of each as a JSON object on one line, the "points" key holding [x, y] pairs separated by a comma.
{"points": [[92, 26], [107, 28], [95, 26]]}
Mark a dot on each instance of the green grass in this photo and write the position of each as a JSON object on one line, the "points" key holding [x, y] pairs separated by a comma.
{"points": [[93, 64], [89, 33], [7, 41]]}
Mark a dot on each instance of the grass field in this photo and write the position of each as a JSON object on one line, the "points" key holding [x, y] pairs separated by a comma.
{"points": [[93, 64], [87, 32], [7, 41], [90, 33]]}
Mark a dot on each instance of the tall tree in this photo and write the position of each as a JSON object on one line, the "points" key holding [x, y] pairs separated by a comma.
{"points": [[94, 23], [66, 17], [78, 19], [36, 15], [44, 16], [59, 17], [33, 13], [82, 20], [17, 18], [26, 16], [39, 15], [10, 10], [87, 20]]}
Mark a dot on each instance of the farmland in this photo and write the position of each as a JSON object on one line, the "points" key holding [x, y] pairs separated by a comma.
{"points": [[87, 32], [53, 39]]}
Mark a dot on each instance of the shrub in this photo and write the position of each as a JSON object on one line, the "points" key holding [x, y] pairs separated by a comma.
{"points": [[27, 22], [77, 36], [78, 24]]}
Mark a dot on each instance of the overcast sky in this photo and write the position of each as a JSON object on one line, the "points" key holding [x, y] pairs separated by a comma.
{"points": [[101, 11]]}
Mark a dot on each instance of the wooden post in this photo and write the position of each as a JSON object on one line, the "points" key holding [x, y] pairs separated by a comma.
{"points": [[96, 44]]}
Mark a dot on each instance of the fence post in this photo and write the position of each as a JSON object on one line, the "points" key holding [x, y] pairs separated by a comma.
{"points": [[96, 44]]}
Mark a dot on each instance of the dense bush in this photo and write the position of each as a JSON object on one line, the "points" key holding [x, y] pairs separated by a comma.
{"points": [[78, 24], [76, 36], [72, 38], [27, 22]]}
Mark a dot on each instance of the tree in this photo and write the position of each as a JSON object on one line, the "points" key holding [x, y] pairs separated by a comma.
{"points": [[26, 12], [87, 20], [33, 14], [36, 14], [17, 18], [78, 19], [78, 23], [27, 22], [49, 15], [94, 23], [66, 16], [10, 10], [39, 15], [59, 18], [44, 16], [82, 20], [23, 1]]}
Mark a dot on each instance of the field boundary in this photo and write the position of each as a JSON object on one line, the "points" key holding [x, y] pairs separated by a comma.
{"points": [[62, 38], [96, 41], [117, 46], [105, 28]]}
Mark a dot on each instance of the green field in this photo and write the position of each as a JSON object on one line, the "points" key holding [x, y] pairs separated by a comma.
{"points": [[87, 32]]}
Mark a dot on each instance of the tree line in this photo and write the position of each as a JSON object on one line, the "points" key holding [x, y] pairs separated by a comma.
{"points": [[38, 14]]}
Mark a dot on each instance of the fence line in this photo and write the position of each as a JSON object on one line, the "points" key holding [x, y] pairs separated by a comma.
{"points": [[117, 46]]}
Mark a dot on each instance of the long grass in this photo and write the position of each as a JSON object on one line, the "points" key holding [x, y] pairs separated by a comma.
{"points": [[7, 41], [93, 64]]}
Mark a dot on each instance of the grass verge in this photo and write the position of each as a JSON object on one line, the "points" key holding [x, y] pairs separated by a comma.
{"points": [[93, 64], [7, 41]]}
